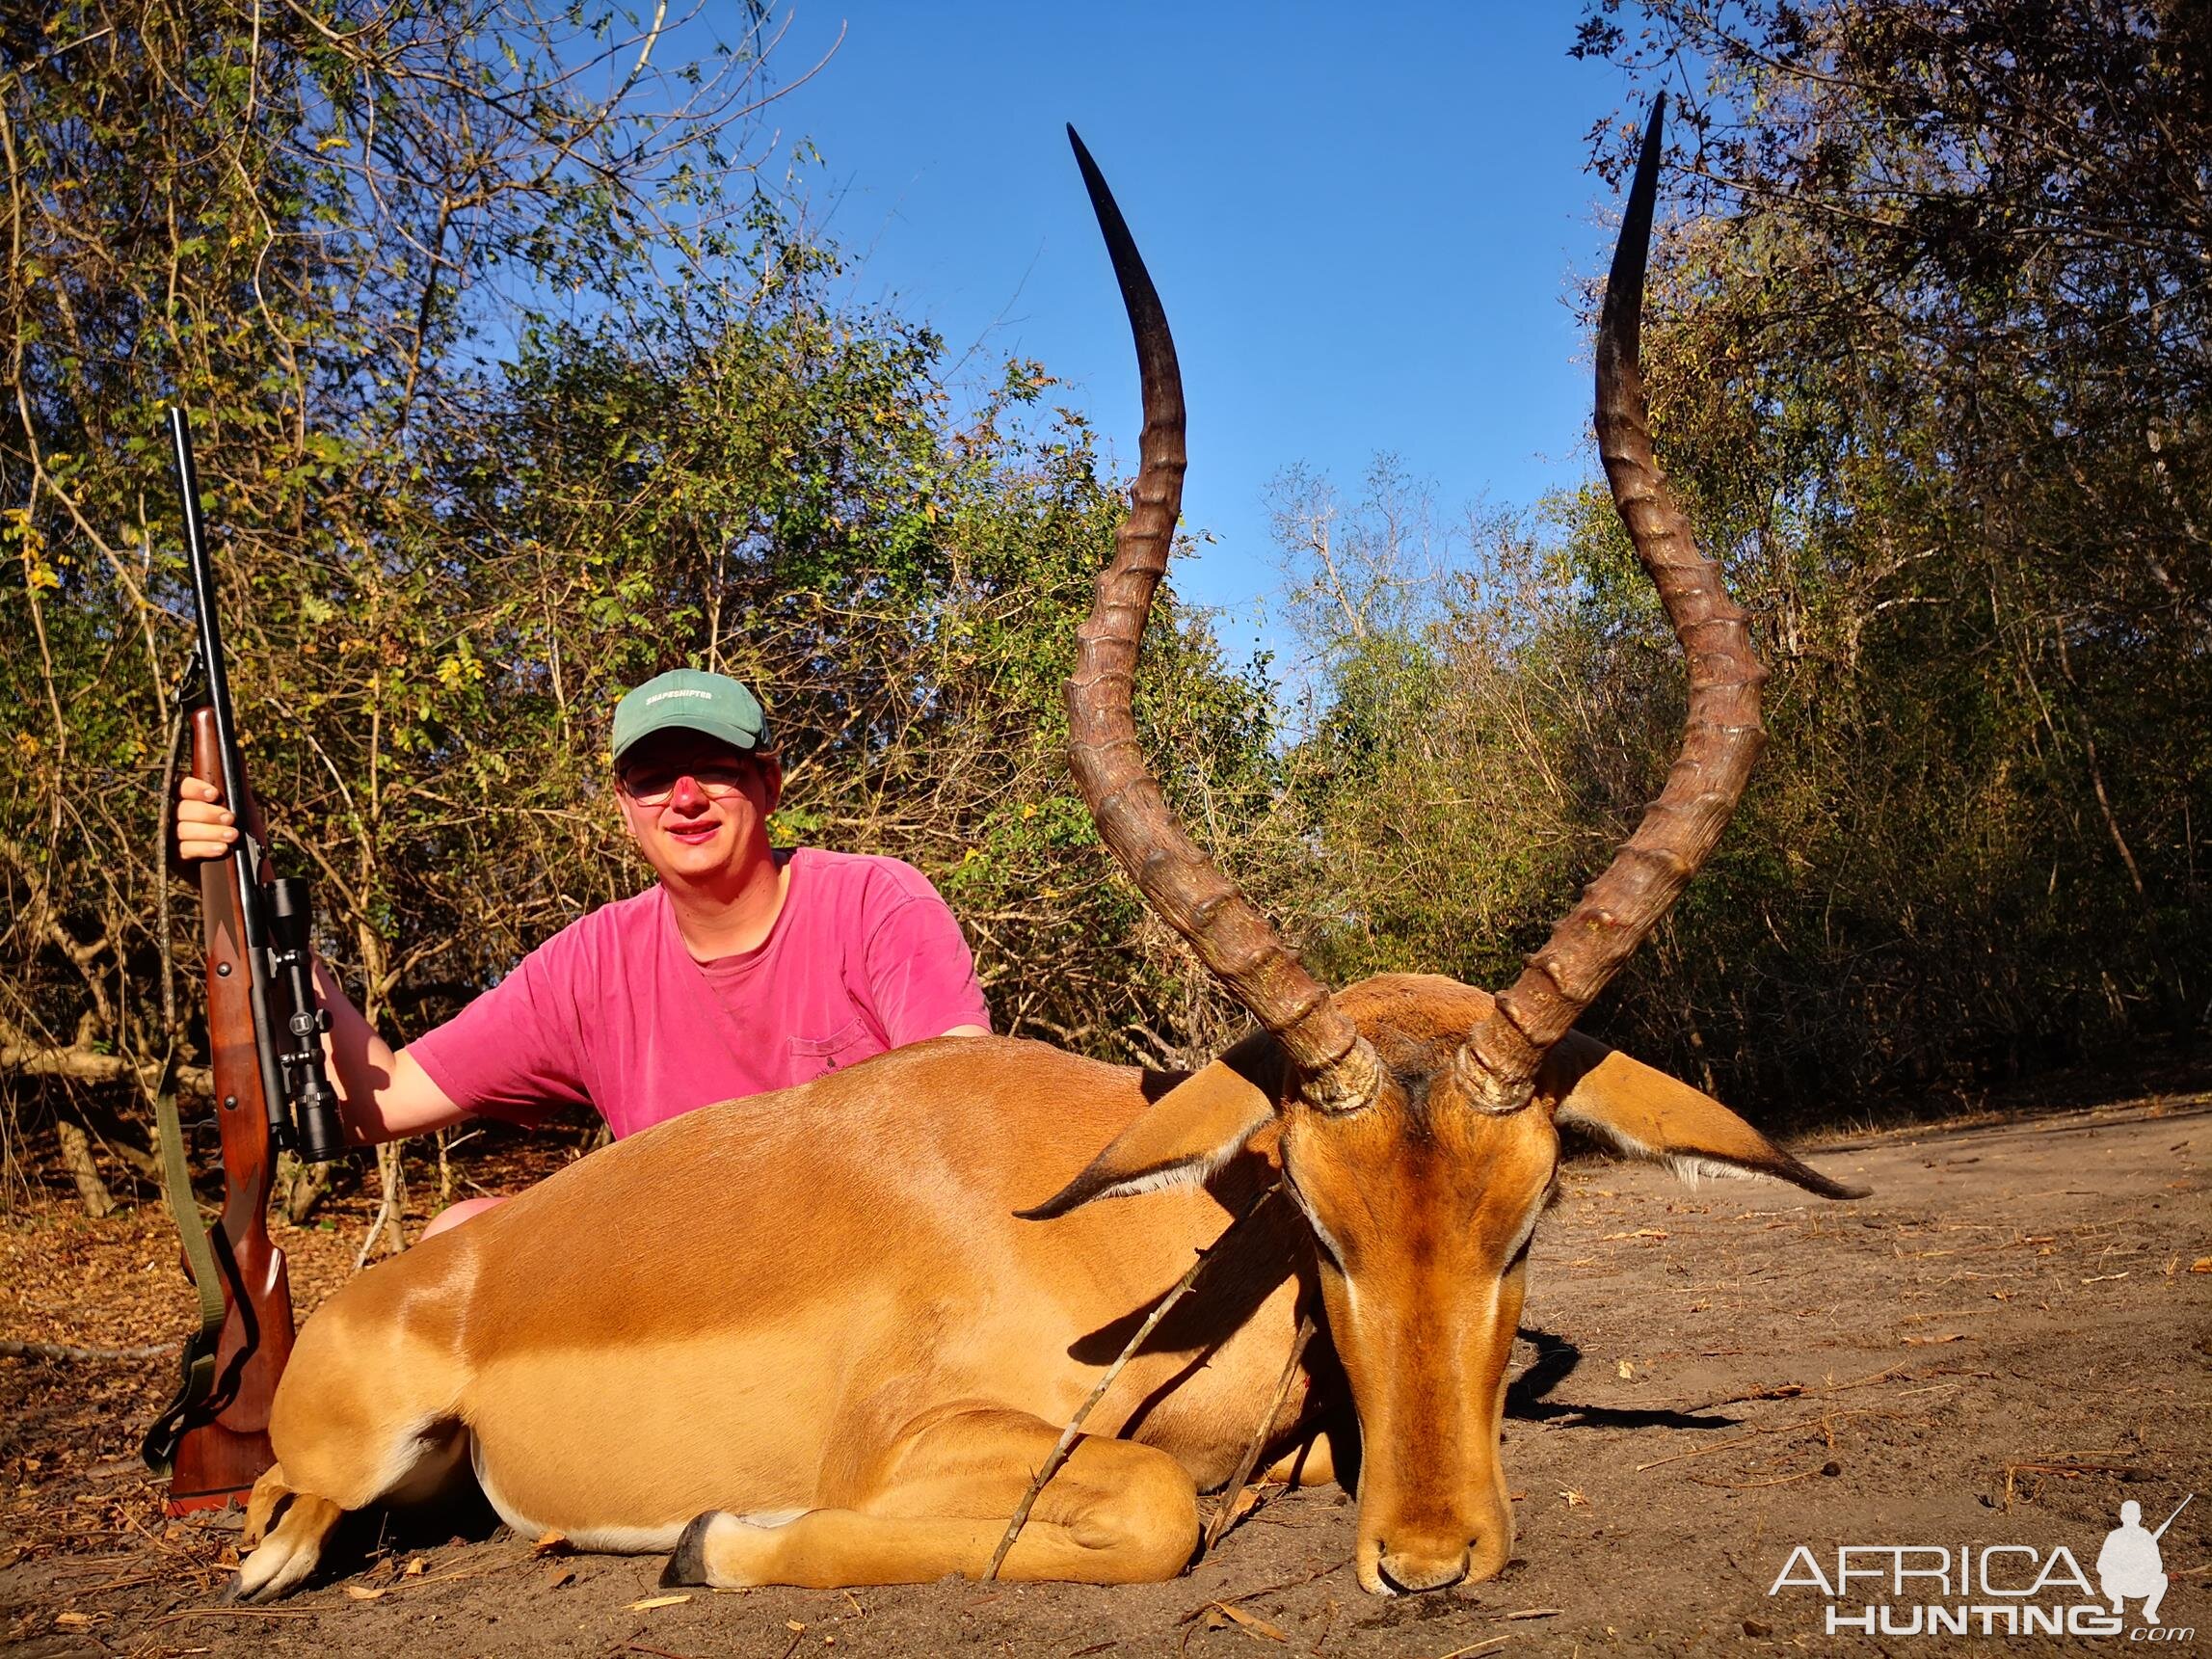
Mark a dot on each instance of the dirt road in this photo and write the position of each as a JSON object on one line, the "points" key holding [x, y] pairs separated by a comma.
{"points": [[2008, 1340]]}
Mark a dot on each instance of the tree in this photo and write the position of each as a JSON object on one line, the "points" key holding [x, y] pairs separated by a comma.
{"points": [[1926, 346], [1929, 351], [508, 394]]}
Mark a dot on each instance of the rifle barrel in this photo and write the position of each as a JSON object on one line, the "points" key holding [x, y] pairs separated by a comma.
{"points": [[246, 857], [2172, 1518], [211, 662]]}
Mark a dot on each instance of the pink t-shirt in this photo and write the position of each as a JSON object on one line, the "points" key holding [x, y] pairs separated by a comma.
{"points": [[613, 1012]]}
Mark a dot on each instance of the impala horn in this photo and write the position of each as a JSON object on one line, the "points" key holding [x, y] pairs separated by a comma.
{"points": [[1336, 1069], [1497, 1067]]}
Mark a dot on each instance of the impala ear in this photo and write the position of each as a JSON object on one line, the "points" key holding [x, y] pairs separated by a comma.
{"points": [[1186, 1134], [1647, 1114]]}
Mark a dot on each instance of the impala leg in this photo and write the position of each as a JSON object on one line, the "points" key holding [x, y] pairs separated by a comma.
{"points": [[363, 1416], [1311, 1464], [1115, 1513], [269, 1497], [283, 1559]]}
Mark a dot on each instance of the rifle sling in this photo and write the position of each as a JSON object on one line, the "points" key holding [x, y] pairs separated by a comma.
{"points": [[159, 1447]]}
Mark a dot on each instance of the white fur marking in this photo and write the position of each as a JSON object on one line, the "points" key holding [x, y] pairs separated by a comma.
{"points": [[766, 1519], [627, 1541], [1528, 1230], [1691, 1170], [1328, 1242], [506, 1511], [1187, 1174], [1688, 1167]]}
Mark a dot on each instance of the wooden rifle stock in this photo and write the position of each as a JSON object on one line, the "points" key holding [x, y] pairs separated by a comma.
{"points": [[225, 1445]]}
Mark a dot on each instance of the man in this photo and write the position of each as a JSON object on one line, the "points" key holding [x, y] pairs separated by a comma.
{"points": [[742, 970], [2129, 1565]]}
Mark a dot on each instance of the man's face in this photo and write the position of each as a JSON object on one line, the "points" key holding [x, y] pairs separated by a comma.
{"points": [[697, 808]]}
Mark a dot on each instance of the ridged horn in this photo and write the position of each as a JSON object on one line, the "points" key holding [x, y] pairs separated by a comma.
{"points": [[1336, 1069], [1497, 1065]]}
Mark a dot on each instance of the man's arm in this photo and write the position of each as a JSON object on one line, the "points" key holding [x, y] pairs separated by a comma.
{"points": [[922, 977], [383, 1094]]}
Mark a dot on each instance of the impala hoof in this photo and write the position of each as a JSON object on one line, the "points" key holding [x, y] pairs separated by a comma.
{"points": [[687, 1562]]}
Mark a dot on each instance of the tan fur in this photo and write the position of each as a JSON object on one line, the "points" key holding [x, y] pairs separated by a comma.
{"points": [[818, 1309]]}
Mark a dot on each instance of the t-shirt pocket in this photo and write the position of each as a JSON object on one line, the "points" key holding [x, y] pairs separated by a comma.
{"points": [[817, 1056]]}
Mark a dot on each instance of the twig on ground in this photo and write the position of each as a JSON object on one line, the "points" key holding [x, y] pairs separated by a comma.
{"points": [[11, 1349], [2067, 1468], [120, 1582], [1754, 1486], [230, 1613], [1800, 1390], [1263, 1590], [1824, 1422], [1226, 1513]]}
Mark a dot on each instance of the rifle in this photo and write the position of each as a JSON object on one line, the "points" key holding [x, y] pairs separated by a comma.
{"points": [[2172, 1518], [264, 1031]]}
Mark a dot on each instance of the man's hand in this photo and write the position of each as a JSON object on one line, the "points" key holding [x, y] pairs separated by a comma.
{"points": [[204, 828], [383, 1094]]}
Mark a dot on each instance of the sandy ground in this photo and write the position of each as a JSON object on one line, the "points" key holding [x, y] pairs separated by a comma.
{"points": [[2009, 1339]]}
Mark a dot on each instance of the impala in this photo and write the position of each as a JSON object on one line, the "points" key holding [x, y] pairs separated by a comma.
{"points": [[828, 1337]]}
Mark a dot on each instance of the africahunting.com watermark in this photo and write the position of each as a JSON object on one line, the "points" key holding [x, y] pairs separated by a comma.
{"points": [[1992, 1590]]}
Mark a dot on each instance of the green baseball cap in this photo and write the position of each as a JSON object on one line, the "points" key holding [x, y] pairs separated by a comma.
{"points": [[691, 700]]}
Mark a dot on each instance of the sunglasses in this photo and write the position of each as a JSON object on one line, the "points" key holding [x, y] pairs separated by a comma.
{"points": [[651, 785]]}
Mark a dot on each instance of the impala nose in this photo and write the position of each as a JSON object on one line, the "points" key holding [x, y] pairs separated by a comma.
{"points": [[1419, 1566]]}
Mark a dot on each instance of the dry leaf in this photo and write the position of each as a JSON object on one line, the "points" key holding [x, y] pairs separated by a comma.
{"points": [[1573, 1497], [553, 1543], [793, 1625], [1625, 1369], [2201, 1264], [361, 1592], [73, 1619], [417, 1566], [1220, 1614], [556, 1576], [657, 1601]]}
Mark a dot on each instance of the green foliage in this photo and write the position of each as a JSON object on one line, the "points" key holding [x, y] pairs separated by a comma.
{"points": [[507, 399], [1927, 366], [1933, 362]]}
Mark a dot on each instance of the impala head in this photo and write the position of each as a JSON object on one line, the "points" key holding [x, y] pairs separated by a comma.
{"points": [[1417, 1116]]}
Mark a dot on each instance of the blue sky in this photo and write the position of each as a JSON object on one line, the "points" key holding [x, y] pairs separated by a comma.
{"points": [[1364, 223]]}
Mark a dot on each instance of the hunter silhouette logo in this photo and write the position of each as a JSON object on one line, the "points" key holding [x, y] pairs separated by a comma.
{"points": [[1992, 1588], [2129, 1565]]}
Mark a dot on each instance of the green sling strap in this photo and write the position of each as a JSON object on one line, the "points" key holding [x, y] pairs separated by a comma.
{"points": [[159, 1447]]}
